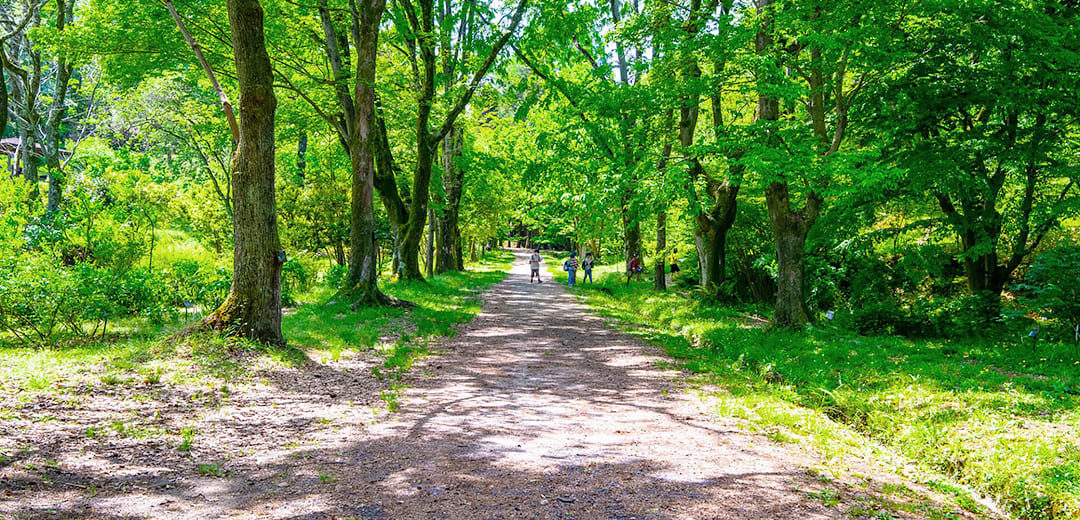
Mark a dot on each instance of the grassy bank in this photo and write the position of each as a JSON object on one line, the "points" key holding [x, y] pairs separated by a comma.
{"points": [[995, 416], [138, 352]]}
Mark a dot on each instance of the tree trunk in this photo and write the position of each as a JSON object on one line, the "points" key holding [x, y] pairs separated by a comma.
{"points": [[30, 160], [713, 224], [339, 253], [710, 234], [632, 238], [362, 282], [418, 213], [710, 242], [449, 239], [57, 110], [659, 280], [253, 307], [25, 92], [301, 156], [790, 229], [3, 102], [429, 256]]}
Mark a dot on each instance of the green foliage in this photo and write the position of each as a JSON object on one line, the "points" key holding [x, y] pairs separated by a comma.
{"points": [[295, 279], [997, 416], [1051, 287], [37, 297]]}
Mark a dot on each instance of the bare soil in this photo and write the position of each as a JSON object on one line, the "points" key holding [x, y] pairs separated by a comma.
{"points": [[536, 409]]}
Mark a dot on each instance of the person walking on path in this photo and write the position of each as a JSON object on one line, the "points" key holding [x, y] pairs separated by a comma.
{"points": [[634, 269], [534, 265], [571, 267], [587, 265], [673, 259]]}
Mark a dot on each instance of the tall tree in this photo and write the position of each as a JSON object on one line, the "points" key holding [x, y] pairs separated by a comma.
{"points": [[64, 66], [23, 61], [817, 57], [422, 44], [349, 40], [989, 129], [42, 76], [448, 256], [253, 306], [712, 195]]}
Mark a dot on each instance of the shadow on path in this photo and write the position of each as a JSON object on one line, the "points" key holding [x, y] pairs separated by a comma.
{"points": [[536, 409]]}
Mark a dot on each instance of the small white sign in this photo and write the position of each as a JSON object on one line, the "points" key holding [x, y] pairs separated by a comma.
{"points": [[830, 315]]}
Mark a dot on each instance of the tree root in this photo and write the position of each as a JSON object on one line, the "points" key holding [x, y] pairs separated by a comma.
{"points": [[371, 298]]}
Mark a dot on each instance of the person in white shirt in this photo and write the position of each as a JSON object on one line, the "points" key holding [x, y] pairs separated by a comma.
{"points": [[534, 264]]}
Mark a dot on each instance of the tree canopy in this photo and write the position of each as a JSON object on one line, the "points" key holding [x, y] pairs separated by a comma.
{"points": [[805, 156]]}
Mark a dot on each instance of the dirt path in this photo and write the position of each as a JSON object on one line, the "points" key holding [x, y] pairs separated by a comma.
{"points": [[535, 410], [540, 410]]}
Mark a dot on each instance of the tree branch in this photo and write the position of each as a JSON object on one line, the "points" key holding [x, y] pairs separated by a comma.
{"points": [[480, 73]]}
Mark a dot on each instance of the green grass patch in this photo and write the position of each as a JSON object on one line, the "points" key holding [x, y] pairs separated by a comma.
{"points": [[211, 361], [442, 303], [996, 416]]}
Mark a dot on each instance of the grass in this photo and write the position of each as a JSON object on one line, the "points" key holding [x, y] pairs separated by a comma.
{"points": [[991, 415], [442, 303], [145, 358]]}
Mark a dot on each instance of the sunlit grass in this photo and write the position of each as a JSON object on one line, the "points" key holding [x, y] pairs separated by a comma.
{"points": [[996, 415], [146, 356]]}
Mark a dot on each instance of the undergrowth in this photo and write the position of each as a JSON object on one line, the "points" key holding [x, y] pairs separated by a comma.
{"points": [[144, 356], [997, 416]]}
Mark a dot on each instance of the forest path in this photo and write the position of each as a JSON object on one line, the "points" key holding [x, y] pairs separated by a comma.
{"points": [[536, 409]]}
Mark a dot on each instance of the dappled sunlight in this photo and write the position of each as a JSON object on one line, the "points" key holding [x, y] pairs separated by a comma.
{"points": [[536, 409]]}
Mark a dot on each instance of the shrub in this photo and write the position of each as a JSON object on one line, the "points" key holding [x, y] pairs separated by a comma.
{"points": [[295, 279], [333, 276], [37, 297], [1051, 287], [197, 284], [887, 317], [976, 315]]}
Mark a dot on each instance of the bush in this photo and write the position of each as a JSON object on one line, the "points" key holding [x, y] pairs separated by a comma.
{"points": [[197, 285], [1051, 287], [333, 276], [295, 279], [885, 317], [976, 315], [37, 297]]}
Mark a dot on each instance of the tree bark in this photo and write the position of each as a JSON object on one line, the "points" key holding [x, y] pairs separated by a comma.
{"points": [[631, 234], [429, 257], [659, 278], [386, 185], [253, 306], [449, 256], [3, 101], [789, 227], [57, 110], [789, 231], [418, 213], [301, 155]]}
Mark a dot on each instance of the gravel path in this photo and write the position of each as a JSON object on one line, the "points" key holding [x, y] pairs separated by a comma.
{"points": [[537, 409]]}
